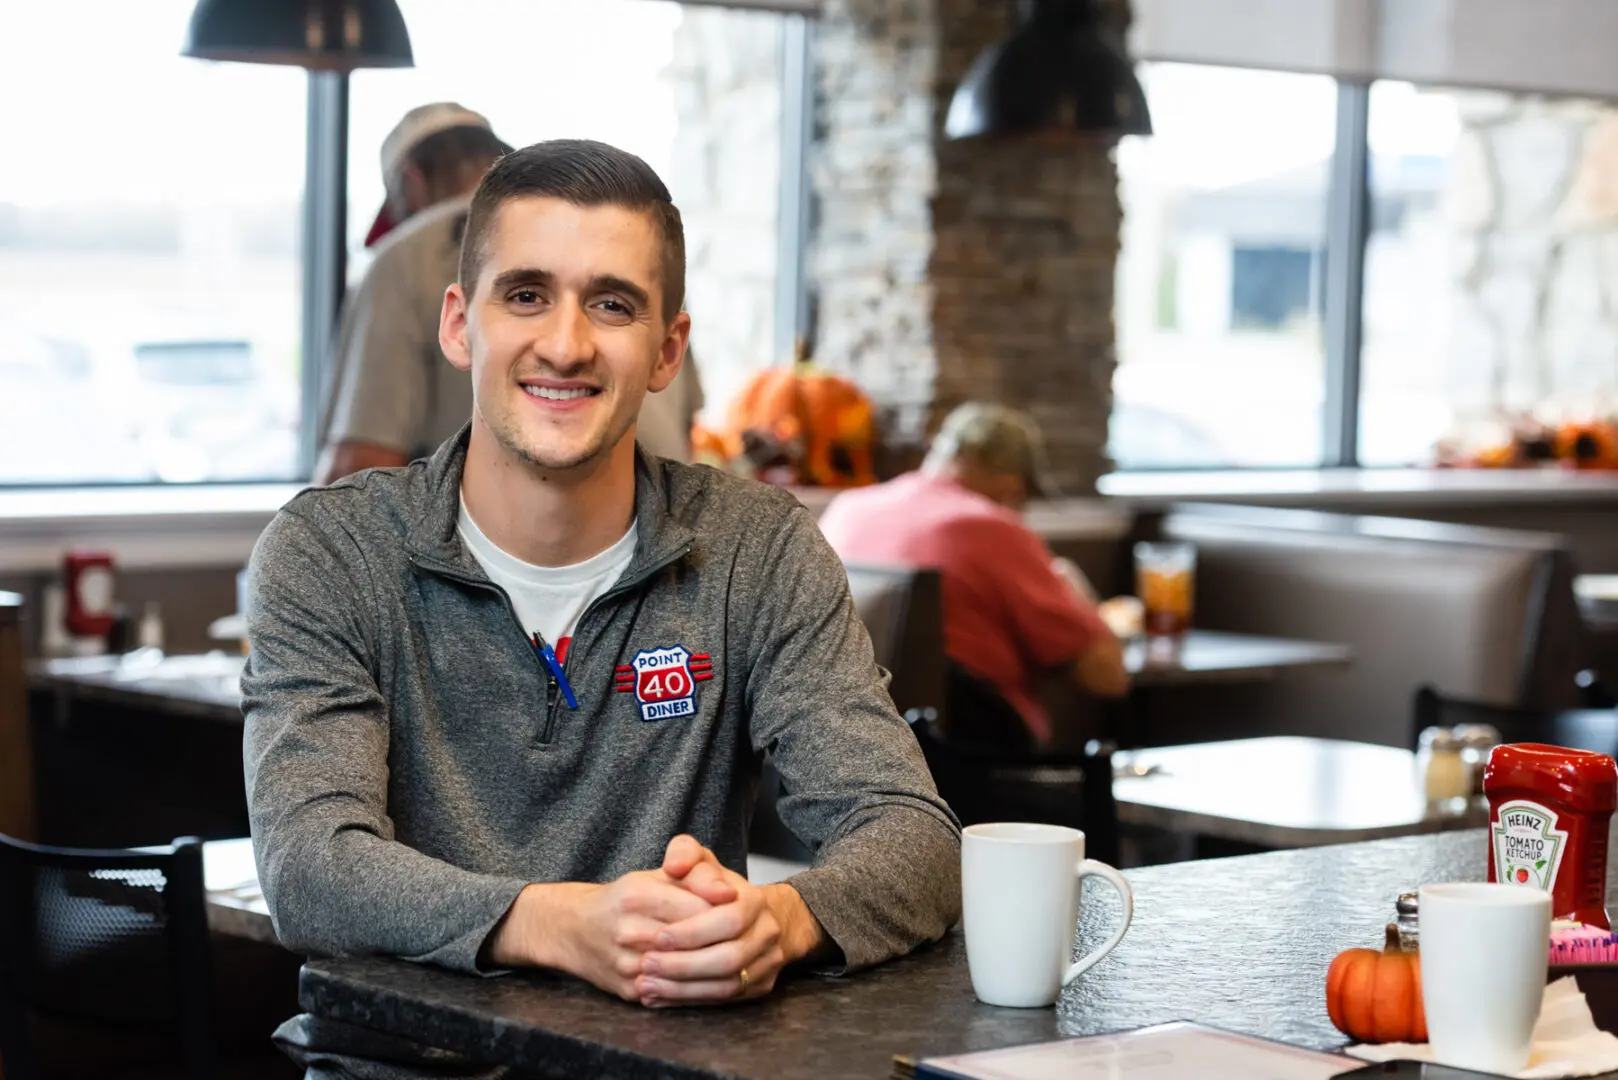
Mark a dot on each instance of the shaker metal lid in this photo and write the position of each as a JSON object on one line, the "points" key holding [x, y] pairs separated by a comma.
{"points": [[1478, 736], [1440, 740]]}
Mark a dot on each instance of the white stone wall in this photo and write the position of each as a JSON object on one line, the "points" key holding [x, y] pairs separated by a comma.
{"points": [[1533, 205], [725, 78]]}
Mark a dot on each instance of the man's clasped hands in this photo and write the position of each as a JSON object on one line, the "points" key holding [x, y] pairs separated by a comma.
{"points": [[690, 932]]}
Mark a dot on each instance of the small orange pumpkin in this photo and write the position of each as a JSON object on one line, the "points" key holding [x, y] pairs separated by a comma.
{"points": [[1588, 446], [1375, 997]]}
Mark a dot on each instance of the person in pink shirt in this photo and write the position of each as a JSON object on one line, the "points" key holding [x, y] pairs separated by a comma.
{"points": [[1012, 617]]}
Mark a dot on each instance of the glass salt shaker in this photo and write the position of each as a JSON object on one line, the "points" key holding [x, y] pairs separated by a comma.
{"points": [[1439, 767], [1476, 742], [1407, 921]]}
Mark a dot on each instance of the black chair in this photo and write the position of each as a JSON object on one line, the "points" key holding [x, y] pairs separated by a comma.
{"points": [[1580, 729], [984, 782], [104, 941]]}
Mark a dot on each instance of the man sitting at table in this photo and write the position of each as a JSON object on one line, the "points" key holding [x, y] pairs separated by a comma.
{"points": [[1012, 613], [506, 706]]}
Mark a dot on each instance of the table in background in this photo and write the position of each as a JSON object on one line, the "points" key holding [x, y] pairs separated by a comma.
{"points": [[1598, 598], [1241, 944], [1282, 792], [1214, 656], [235, 902], [207, 685]]}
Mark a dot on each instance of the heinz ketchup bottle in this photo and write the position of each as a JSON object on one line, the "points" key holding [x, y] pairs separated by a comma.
{"points": [[1549, 808]]}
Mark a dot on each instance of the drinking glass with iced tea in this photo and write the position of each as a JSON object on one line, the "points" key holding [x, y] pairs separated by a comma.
{"points": [[1165, 580]]}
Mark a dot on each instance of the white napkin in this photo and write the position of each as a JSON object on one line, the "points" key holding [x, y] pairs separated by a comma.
{"points": [[1566, 1039]]}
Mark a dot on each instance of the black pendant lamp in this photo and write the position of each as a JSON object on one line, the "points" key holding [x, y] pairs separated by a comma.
{"points": [[323, 35], [1063, 73]]}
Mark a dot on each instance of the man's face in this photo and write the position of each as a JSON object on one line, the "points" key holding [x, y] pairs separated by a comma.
{"points": [[564, 331]]}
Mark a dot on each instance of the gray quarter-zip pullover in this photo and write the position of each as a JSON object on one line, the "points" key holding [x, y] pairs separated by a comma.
{"points": [[410, 766]]}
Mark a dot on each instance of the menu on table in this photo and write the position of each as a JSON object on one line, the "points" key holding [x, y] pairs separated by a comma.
{"points": [[1170, 1050]]}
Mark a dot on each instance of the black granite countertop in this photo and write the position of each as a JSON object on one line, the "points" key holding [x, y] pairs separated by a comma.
{"points": [[1239, 943]]}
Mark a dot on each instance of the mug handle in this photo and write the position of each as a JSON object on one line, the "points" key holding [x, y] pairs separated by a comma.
{"points": [[1088, 868]]}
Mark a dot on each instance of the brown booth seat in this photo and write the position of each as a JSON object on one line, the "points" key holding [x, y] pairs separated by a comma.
{"points": [[1479, 613]]}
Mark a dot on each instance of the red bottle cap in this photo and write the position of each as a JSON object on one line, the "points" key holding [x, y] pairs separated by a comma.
{"points": [[1581, 779]]}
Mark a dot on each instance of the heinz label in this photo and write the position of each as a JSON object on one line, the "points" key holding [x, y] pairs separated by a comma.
{"points": [[1528, 846]]}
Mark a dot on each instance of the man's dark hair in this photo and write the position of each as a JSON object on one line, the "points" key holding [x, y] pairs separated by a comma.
{"points": [[441, 156], [584, 173]]}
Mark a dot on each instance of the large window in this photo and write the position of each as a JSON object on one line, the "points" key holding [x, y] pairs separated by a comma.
{"points": [[1465, 238], [151, 208], [149, 252], [1220, 348]]}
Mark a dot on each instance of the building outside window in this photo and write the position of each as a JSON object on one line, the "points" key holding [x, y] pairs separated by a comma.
{"points": [[149, 265], [1220, 349]]}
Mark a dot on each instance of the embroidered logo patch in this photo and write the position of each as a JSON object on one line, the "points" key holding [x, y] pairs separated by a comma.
{"points": [[664, 680]]}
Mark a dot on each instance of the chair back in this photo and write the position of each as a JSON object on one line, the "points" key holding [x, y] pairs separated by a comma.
{"points": [[902, 608], [110, 939], [985, 783]]}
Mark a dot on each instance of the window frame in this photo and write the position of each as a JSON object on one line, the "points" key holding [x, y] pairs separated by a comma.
{"points": [[1348, 228], [324, 257]]}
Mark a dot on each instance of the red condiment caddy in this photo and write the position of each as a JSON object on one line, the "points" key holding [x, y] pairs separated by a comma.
{"points": [[1549, 807]]}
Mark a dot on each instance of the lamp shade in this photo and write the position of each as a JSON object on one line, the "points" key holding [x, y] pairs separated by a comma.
{"points": [[1061, 73], [324, 35]]}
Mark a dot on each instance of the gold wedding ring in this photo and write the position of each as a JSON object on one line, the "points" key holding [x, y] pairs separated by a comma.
{"points": [[742, 974]]}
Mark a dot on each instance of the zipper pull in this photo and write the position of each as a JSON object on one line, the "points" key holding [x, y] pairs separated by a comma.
{"points": [[558, 676]]}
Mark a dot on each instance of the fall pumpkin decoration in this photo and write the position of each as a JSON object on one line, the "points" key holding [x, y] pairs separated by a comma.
{"points": [[802, 425], [1588, 446], [1528, 443], [1375, 997]]}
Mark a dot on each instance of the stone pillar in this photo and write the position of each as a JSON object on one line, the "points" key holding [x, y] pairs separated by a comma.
{"points": [[725, 80], [949, 271]]}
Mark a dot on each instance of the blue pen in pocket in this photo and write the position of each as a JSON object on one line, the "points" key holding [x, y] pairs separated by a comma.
{"points": [[547, 654]]}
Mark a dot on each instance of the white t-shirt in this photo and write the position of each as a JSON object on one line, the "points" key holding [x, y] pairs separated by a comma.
{"points": [[548, 599]]}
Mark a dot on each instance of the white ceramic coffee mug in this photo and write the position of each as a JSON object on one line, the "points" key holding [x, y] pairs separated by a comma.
{"points": [[1483, 957], [1020, 887]]}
